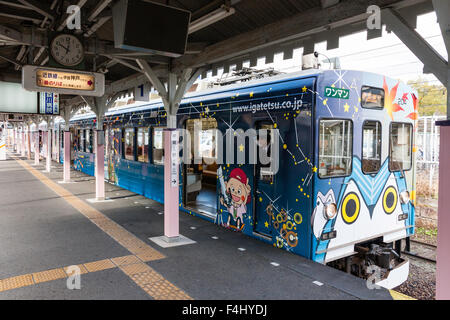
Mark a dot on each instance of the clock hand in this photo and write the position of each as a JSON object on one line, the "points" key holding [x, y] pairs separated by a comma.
{"points": [[67, 50]]}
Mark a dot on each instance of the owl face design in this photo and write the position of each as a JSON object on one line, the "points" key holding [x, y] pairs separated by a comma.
{"points": [[319, 217], [360, 216]]}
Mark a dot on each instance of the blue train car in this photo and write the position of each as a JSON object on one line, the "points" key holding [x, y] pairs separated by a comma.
{"points": [[340, 192]]}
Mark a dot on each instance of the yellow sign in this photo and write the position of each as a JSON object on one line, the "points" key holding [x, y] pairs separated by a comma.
{"points": [[65, 80]]}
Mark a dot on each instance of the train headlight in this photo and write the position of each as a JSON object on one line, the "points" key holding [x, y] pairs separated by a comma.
{"points": [[404, 197], [330, 211]]}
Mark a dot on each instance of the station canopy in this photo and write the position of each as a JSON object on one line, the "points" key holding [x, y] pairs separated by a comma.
{"points": [[222, 33]]}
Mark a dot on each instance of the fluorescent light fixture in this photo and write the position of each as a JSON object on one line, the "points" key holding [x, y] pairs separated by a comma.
{"points": [[211, 18]]}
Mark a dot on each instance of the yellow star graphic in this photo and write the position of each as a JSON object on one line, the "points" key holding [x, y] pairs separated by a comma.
{"points": [[304, 89], [325, 102], [346, 107], [266, 224], [241, 148], [356, 109], [314, 169], [251, 94]]}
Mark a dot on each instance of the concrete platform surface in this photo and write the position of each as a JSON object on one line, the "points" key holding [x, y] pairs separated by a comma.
{"points": [[46, 227]]}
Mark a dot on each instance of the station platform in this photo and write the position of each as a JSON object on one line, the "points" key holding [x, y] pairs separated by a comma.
{"points": [[46, 226]]}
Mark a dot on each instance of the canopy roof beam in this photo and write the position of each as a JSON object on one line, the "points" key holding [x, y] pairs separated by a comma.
{"points": [[431, 59]]}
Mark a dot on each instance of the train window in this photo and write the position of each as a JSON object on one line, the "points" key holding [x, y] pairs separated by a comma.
{"points": [[335, 148], [205, 145], [142, 144], [371, 154], [158, 146], [81, 140], [89, 140], [129, 144], [372, 98], [400, 152]]}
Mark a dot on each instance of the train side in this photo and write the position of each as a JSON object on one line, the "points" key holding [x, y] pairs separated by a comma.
{"points": [[342, 180]]}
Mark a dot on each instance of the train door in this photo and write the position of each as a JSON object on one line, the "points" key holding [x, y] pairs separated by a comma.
{"points": [[200, 176], [264, 181]]}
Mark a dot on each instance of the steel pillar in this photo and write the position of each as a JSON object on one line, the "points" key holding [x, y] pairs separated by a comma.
{"points": [[22, 146], [100, 165], [100, 106], [171, 97], [442, 9], [443, 238], [29, 143], [36, 148], [67, 156], [171, 195], [48, 162]]}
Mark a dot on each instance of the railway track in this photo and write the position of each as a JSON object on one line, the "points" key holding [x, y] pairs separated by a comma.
{"points": [[426, 247]]}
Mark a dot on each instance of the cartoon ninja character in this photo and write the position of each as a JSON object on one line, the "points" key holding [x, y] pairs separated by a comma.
{"points": [[238, 190]]}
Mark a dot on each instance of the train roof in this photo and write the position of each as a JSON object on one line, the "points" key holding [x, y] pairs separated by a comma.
{"points": [[157, 103], [213, 93]]}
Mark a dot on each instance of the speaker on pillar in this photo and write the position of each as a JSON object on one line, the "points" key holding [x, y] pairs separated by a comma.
{"points": [[150, 27]]}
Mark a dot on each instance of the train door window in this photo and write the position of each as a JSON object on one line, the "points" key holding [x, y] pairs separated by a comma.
{"points": [[372, 98], [81, 139], [371, 153], [335, 148], [205, 146], [89, 140], [142, 144], [129, 144], [157, 146], [266, 173], [400, 152]]}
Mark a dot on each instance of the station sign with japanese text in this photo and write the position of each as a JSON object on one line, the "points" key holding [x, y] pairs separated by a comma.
{"points": [[63, 81]]}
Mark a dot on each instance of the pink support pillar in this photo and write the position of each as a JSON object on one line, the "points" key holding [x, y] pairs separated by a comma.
{"points": [[29, 143], [443, 241], [48, 162], [100, 166], [22, 146], [36, 148], [67, 156], [171, 195], [15, 139]]}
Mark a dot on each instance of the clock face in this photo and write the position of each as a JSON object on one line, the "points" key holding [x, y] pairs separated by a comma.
{"points": [[67, 50]]}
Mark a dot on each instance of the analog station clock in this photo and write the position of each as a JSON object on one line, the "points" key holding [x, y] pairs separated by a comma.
{"points": [[67, 50]]}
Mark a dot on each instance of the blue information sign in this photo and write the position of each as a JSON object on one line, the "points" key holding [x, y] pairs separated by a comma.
{"points": [[49, 103]]}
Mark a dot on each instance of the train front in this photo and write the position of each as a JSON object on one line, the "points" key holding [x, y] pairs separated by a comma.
{"points": [[364, 187]]}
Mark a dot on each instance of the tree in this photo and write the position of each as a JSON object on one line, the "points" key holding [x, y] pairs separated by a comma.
{"points": [[432, 98]]}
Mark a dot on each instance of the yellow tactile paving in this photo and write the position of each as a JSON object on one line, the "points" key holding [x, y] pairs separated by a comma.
{"points": [[16, 282], [148, 277], [150, 256], [123, 261], [49, 275], [99, 265], [399, 296], [149, 280], [135, 268], [164, 290], [82, 268]]}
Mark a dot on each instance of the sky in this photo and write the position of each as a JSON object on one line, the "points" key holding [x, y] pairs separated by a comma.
{"points": [[386, 55]]}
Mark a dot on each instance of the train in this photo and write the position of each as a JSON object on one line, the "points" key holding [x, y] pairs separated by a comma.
{"points": [[343, 190]]}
